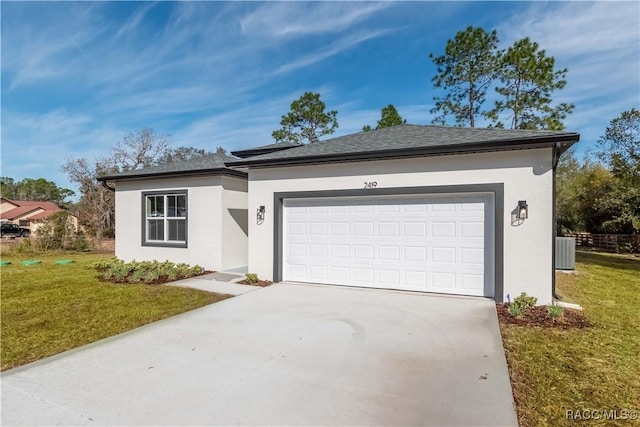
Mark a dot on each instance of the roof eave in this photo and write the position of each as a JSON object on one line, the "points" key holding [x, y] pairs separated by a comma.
{"points": [[537, 142], [187, 173], [258, 151]]}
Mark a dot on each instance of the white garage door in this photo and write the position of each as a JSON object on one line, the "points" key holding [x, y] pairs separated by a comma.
{"points": [[421, 243]]}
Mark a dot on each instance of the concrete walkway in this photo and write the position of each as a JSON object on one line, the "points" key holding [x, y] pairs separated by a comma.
{"points": [[283, 355], [221, 283]]}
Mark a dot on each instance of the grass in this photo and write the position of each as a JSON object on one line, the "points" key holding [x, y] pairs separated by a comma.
{"points": [[49, 308], [596, 369]]}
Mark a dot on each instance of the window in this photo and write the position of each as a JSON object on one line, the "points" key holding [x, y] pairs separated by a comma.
{"points": [[165, 218], [24, 223]]}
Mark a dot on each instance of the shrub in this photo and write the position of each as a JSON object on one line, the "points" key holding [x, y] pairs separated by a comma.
{"points": [[56, 233], [25, 247], [252, 278], [631, 247], [555, 312], [521, 304], [525, 301], [104, 264], [80, 244], [515, 310], [150, 272]]}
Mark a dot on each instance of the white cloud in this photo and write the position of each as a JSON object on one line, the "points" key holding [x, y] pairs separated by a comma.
{"points": [[43, 142], [131, 25], [334, 49], [599, 43], [281, 19], [569, 29]]}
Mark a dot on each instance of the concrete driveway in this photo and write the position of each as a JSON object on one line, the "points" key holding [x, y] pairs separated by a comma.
{"points": [[284, 355]]}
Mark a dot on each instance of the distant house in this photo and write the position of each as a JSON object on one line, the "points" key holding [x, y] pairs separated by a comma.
{"points": [[30, 214]]}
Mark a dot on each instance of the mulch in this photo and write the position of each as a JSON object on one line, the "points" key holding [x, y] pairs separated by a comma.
{"points": [[538, 316], [262, 283]]}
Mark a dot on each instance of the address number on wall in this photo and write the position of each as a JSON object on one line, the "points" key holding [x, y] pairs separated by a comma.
{"points": [[370, 184]]}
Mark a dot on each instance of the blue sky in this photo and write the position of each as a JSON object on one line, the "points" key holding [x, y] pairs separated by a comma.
{"points": [[77, 77]]}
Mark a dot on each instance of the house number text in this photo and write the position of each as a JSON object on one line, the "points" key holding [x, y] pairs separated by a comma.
{"points": [[370, 184]]}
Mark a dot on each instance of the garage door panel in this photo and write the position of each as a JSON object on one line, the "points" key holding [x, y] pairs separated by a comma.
{"points": [[318, 272], [297, 228], [317, 228], [443, 255], [363, 275], [389, 278], [388, 253], [318, 250], [443, 229], [415, 279], [413, 208], [472, 281], [422, 243], [363, 229], [361, 252], [340, 274], [297, 250], [340, 229], [388, 229], [443, 280], [415, 253], [472, 255], [415, 229], [470, 229]]}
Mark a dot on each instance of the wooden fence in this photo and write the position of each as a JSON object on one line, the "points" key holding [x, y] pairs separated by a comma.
{"points": [[607, 242]]}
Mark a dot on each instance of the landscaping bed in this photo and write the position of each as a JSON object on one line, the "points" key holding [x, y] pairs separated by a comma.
{"points": [[539, 316], [262, 283], [253, 280], [115, 270], [589, 367]]}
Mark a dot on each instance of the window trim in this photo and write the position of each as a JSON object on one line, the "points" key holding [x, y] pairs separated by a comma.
{"points": [[165, 243]]}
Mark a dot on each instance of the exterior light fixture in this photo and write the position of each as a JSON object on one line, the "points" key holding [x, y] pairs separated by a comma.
{"points": [[523, 209], [260, 214]]}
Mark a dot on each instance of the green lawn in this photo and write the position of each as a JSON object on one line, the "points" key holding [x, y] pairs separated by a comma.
{"points": [[595, 369], [49, 308]]}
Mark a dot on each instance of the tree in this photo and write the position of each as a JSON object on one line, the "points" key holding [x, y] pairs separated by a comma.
{"points": [[38, 189], [603, 198], [528, 80], [585, 199], [389, 116], [142, 148], [307, 121], [466, 71], [620, 150], [568, 210], [58, 232], [97, 204], [7, 187], [620, 146], [180, 154]]}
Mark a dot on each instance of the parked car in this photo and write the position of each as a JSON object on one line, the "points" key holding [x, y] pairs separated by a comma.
{"points": [[13, 230]]}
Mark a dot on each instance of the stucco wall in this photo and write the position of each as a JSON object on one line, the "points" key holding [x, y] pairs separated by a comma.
{"points": [[206, 206], [526, 175], [234, 223]]}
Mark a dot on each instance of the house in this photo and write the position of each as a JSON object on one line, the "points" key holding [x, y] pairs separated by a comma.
{"points": [[31, 214], [463, 211], [193, 212]]}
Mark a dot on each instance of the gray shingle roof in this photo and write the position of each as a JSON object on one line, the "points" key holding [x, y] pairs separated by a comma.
{"points": [[409, 139], [264, 149], [398, 141], [213, 163]]}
